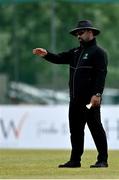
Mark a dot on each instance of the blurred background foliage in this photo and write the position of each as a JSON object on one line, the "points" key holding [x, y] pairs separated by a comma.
{"points": [[24, 26]]}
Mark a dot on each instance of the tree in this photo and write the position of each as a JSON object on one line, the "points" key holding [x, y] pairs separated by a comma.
{"points": [[25, 26]]}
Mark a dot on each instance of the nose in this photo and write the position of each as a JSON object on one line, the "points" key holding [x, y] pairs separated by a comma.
{"points": [[78, 36]]}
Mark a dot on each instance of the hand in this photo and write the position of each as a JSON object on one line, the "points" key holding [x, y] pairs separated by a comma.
{"points": [[40, 51], [95, 101]]}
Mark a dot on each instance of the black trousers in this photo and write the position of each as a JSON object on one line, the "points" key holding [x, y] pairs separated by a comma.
{"points": [[78, 117]]}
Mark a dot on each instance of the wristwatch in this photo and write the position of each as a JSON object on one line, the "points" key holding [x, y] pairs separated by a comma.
{"points": [[98, 95]]}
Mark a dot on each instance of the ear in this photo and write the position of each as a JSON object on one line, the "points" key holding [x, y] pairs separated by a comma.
{"points": [[91, 32]]}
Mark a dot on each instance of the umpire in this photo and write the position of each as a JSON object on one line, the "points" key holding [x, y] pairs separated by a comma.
{"points": [[88, 69]]}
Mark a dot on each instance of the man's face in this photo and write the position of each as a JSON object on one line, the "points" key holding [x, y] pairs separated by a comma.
{"points": [[83, 35]]}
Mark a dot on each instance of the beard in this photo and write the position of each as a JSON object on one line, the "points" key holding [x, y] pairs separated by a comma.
{"points": [[81, 41]]}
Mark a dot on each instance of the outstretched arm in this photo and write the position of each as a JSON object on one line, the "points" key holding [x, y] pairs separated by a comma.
{"points": [[61, 58]]}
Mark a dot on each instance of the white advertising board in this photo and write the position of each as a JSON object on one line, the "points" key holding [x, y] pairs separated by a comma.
{"points": [[46, 127]]}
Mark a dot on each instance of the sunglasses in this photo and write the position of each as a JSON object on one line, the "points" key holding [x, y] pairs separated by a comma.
{"points": [[81, 32]]}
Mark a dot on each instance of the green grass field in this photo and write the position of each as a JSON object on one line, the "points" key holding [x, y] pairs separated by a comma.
{"points": [[42, 164]]}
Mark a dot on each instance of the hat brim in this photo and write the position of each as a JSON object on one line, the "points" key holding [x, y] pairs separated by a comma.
{"points": [[95, 31]]}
